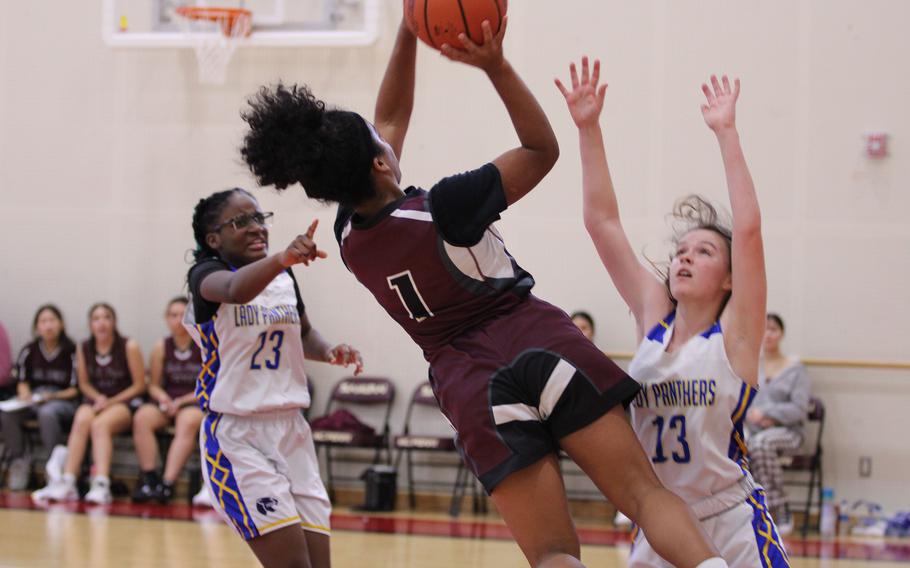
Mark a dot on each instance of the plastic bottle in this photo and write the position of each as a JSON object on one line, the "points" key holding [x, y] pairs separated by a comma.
{"points": [[828, 520], [844, 520]]}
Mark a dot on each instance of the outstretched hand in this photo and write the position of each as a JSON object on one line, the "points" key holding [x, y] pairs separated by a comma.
{"points": [[303, 249], [488, 56], [344, 355], [586, 99], [719, 109]]}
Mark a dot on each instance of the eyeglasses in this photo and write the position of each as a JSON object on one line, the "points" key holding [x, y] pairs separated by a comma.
{"points": [[243, 221]]}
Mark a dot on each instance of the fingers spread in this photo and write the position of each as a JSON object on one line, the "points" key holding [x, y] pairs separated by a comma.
{"points": [[595, 77], [708, 94]]}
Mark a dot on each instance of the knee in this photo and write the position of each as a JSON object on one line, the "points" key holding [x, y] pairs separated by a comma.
{"points": [[46, 413], [100, 428], [83, 420], [144, 419], [187, 429], [558, 557]]}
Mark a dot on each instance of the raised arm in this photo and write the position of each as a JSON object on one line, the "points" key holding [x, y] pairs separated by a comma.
{"points": [[521, 168], [396, 93], [244, 284], [744, 317], [642, 291]]}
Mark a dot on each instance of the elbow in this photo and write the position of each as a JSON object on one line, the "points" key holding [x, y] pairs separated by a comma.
{"points": [[551, 154]]}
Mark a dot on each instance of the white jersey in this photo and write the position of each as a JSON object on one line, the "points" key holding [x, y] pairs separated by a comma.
{"points": [[252, 353], [689, 414]]}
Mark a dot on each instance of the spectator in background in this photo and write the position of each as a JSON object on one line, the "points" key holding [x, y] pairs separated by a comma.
{"points": [[584, 322], [174, 366], [775, 421], [110, 371], [6, 360], [45, 376]]}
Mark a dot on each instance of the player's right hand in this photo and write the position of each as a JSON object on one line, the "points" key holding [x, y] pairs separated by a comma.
{"points": [[487, 56], [303, 249]]}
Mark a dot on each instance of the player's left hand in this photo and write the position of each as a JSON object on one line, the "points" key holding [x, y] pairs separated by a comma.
{"points": [[488, 56], [586, 99], [719, 109], [344, 355]]}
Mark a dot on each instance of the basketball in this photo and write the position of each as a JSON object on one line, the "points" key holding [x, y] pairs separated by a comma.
{"points": [[437, 22]]}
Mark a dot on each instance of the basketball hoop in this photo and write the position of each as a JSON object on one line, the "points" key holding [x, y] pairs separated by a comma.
{"points": [[216, 33]]}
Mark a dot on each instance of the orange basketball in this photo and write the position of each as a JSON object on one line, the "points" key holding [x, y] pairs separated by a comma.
{"points": [[437, 22]]}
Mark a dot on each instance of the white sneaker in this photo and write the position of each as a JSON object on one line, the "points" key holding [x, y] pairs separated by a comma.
{"points": [[60, 490], [55, 463], [203, 498], [621, 520], [100, 491]]}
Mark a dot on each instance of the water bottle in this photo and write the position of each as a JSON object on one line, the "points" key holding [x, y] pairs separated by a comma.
{"points": [[828, 520], [844, 518]]}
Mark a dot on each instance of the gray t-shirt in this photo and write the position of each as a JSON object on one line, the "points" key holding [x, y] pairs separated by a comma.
{"points": [[785, 398]]}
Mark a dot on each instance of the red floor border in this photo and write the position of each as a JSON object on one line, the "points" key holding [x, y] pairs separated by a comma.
{"points": [[885, 550]]}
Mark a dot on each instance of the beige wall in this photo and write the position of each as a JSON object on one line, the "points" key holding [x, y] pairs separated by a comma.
{"points": [[103, 154]]}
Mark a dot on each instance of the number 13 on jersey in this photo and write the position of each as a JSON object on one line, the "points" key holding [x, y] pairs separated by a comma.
{"points": [[676, 427]]}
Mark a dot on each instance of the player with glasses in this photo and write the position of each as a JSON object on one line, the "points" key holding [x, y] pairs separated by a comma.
{"points": [[248, 318], [240, 222]]}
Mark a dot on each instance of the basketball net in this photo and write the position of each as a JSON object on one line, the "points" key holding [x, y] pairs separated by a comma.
{"points": [[215, 33]]}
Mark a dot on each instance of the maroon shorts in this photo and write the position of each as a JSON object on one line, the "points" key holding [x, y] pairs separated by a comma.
{"points": [[516, 385]]}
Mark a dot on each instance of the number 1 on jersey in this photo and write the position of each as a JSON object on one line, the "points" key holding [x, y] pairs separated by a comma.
{"points": [[403, 283]]}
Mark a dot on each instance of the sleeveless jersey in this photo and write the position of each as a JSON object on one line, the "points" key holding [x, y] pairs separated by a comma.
{"points": [[252, 354], [108, 373], [432, 260], [689, 414], [51, 371], [181, 368]]}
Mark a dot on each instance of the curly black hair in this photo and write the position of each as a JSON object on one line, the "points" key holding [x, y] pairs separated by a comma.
{"points": [[206, 215], [294, 138]]}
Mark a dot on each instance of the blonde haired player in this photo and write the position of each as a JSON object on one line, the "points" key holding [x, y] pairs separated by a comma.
{"points": [[699, 333], [247, 315]]}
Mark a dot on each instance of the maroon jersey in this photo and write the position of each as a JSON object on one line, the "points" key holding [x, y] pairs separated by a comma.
{"points": [[42, 370], [181, 368], [511, 372], [433, 260], [108, 373]]}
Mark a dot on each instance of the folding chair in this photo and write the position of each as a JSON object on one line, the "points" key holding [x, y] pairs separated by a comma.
{"points": [[357, 393], [808, 460], [423, 409]]}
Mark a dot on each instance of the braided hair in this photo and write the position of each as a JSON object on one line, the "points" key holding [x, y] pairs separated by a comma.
{"points": [[205, 217]]}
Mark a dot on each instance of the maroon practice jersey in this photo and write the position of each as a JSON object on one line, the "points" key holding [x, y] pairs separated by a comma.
{"points": [[433, 260]]}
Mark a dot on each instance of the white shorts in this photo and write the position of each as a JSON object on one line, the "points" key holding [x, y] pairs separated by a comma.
{"points": [[263, 472], [745, 536]]}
